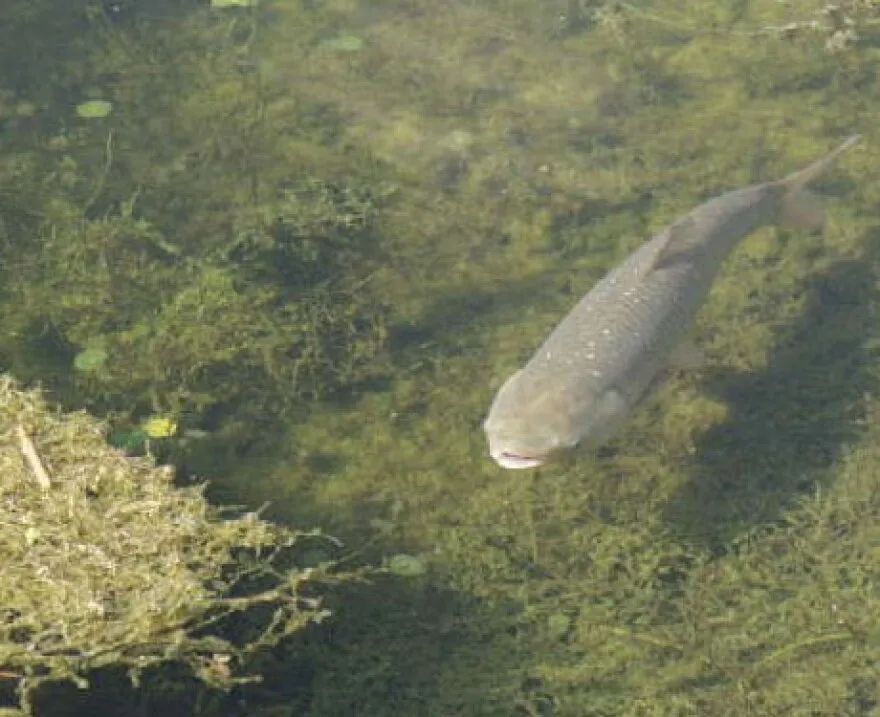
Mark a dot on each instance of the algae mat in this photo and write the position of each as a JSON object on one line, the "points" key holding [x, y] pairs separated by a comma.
{"points": [[478, 166]]}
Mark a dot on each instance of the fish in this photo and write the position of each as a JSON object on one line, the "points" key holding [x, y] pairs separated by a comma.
{"points": [[581, 385]]}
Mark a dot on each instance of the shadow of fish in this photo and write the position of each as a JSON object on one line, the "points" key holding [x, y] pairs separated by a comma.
{"points": [[603, 357]]}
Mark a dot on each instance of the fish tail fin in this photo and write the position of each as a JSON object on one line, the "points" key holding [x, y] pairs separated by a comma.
{"points": [[801, 208]]}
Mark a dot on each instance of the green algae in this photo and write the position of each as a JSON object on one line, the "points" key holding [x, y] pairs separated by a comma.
{"points": [[663, 577], [719, 557]]}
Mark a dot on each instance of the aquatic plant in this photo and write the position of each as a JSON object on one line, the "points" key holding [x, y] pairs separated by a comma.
{"points": [[159, 306], [108, 565], [719, 559]]}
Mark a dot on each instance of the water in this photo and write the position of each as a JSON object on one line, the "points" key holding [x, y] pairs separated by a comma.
{"points": [[323, 232]]}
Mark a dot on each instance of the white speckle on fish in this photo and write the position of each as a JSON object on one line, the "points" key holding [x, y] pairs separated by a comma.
{"points": [[563, 397]]}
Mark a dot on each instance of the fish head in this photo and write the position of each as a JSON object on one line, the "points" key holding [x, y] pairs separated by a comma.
{"points": [[532, 421], [528, 423]]}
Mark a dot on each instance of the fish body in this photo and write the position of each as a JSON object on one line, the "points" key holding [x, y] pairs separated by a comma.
{"points": [[581, 385]]}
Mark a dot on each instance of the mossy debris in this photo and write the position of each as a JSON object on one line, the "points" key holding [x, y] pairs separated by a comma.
{"points": [[108, 564]]}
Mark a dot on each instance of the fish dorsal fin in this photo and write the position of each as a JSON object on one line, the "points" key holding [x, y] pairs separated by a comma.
{"points": [[681, 242]]}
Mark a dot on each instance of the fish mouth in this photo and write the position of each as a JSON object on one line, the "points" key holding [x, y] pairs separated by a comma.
{"points": [[515, 461]]}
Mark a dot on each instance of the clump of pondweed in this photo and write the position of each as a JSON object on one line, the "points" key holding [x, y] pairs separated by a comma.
{"points": [[106, 563]]}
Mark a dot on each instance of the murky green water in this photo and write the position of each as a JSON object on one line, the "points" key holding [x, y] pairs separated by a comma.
{"points": [[317, 235]]}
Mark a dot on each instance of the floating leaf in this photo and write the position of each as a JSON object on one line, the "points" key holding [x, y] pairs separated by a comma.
{"points": [[130, 441], [344, 43], [159, 427], [90, 360], [406, 566], [94, 109]]}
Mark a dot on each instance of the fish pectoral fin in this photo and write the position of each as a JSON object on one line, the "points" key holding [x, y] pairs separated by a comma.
{"points": [[614, 404], [687, 356], [609, 413], [682, 240]]}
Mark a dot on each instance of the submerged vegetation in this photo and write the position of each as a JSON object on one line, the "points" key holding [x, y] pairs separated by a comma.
{"points": [[340, 224], [166, 289]]}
